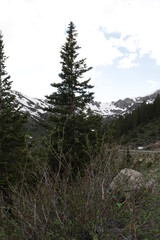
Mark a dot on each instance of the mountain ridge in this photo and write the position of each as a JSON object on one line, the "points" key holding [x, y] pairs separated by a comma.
{"points": [[36, 106]]}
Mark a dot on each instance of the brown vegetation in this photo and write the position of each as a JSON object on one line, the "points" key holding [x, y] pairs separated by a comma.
{"points": [[78, 207]]}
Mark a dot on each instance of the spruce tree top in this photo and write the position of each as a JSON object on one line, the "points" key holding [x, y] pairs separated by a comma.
{"points": [[72, 93], [6, 97]]}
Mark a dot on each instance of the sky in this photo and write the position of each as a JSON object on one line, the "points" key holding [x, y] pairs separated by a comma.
{"points": [[119, 38]]}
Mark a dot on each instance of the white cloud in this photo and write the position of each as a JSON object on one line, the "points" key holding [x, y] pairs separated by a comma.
{"points": [[100, 51], [128, 61], [34, 32]]}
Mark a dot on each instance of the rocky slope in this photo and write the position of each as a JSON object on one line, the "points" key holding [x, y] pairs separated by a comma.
{"points": [[122, 106], [35, 106]]}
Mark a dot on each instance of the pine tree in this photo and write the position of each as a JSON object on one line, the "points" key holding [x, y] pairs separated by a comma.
{"points": [[70, 121], [12, 137], [72, 95]]}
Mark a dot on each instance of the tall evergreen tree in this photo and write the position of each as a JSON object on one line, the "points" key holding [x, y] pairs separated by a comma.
{"points": [[70, 121], [12, 137], [72, 95]]}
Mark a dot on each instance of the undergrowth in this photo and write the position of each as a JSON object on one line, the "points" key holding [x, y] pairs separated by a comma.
{"points": [[80, 207]]}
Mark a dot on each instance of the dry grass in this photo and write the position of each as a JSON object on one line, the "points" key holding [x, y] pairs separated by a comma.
{"points": [[77, 207]]}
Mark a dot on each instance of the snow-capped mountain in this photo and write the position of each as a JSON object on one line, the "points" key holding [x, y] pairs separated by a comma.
{"points": [[34, 106], [122, 106], [113, 109]]}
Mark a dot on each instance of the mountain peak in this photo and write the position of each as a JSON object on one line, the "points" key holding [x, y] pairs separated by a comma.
{"points": [[113, 109]]}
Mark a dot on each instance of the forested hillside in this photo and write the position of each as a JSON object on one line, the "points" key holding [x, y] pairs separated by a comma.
{"points": [[144, 119]]}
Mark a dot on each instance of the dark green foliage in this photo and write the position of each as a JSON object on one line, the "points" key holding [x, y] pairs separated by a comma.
{"points": [[140, 116], [144, 135], [72, 95], [12, 138], [70, 123], [127, 161]]}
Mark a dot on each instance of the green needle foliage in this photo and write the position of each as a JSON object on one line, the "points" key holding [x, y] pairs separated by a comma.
{"points": [[70, 123], [12, 137]]}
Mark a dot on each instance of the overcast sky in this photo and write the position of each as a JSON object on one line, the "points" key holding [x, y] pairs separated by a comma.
{"points": [[119, 38]]}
